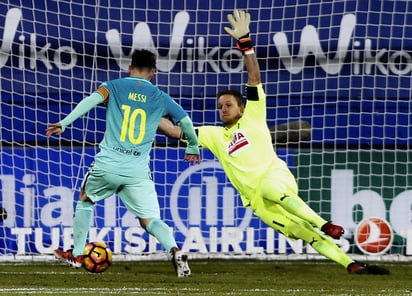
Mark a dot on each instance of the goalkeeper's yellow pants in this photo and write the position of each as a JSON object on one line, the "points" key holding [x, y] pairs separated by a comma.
{"points": [[294, 227]]}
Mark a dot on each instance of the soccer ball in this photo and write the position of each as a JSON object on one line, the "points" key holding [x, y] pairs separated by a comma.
{"points": [[97, 257]]}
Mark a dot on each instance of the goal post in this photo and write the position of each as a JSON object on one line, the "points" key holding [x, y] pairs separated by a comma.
{"points": [[341, 67]]}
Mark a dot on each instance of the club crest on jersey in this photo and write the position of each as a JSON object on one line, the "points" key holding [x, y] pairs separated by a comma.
{"points": [[238, 142]]}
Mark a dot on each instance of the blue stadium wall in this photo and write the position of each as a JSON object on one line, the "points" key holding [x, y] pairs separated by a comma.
{"points": [[371, 96]]}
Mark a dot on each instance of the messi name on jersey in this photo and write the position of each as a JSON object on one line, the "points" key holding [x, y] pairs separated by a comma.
{"points": [[239, 141]]}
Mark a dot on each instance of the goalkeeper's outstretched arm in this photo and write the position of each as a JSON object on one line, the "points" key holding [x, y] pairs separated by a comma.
{"points": [[240, 21], [253, 70], [293, 132]]}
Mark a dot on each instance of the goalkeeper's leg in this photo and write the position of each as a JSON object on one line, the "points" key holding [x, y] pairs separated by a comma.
{"points": [[320, 242], [280, 187], [295, 228]]}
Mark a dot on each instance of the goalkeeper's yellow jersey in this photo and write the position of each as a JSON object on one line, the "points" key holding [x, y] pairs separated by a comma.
{"points": [[245, 151]]}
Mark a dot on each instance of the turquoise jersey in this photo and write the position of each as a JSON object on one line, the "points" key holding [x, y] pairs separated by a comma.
{"points": [[134, 109]]}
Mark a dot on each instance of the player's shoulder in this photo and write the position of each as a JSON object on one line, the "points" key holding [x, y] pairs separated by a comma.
{"points": [[111, 82]]}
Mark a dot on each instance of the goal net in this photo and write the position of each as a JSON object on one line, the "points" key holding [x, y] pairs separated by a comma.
{"points": [[344, 67]]}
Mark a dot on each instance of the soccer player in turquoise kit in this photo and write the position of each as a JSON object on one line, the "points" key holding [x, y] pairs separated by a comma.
{"points": [[134, 109], [244, 148]]}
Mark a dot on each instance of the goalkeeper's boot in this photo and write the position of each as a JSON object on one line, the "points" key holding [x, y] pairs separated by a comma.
{"points": [[334, 231], [180, 263], [357, 267], [67, 256]]}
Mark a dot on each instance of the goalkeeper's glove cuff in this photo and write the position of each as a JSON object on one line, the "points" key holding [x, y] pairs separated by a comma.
{"points": [[245, 44]]}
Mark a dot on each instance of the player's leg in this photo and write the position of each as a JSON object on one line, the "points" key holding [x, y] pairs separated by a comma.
{"points": [[295, 228], [140, 198], [280, 186], [82, 218], [320, 242], [97, 185]]}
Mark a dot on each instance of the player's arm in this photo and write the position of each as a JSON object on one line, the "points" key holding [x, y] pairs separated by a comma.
{"points": [[291, 132], [188, 132], [169, 129], [253, 70], [84, 106], [184, 132], [240, 21]]}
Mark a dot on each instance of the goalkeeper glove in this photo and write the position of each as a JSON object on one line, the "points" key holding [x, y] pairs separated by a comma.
{"points": [[240, 21]]}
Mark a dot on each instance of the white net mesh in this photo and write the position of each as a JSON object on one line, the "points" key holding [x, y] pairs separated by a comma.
{"points": [[342, 66]]}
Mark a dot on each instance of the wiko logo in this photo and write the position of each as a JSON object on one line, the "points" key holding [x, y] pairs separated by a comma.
{"points": [[195, 50], [63, 57], [11, 23], [363, 59], [310, 44], [142, 38], [197, 55]]}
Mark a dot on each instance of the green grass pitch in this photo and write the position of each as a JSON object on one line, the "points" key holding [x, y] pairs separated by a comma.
{"points": [[209, 277]]}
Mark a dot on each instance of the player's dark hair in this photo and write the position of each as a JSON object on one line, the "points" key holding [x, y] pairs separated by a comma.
{"points": [[143, 58], [236, 94]]}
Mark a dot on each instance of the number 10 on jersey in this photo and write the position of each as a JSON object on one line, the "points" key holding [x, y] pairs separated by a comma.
{"points": [[129, 124]]}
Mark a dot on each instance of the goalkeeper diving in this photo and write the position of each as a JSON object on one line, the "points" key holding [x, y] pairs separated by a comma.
{"points": [[244, 148]]}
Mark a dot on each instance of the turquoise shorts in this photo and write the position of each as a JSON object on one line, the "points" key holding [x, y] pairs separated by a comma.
{"points": [[138, 194]]}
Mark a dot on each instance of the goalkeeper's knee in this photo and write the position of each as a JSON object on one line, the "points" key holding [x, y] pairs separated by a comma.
{"points": [[302, 230]]}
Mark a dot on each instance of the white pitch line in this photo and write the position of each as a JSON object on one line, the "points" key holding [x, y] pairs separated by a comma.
{"points": [[41, 272], [106, 291]]}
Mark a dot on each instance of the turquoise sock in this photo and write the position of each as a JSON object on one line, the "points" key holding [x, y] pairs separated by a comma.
{"points": [[162, 232], [81, 225]]}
